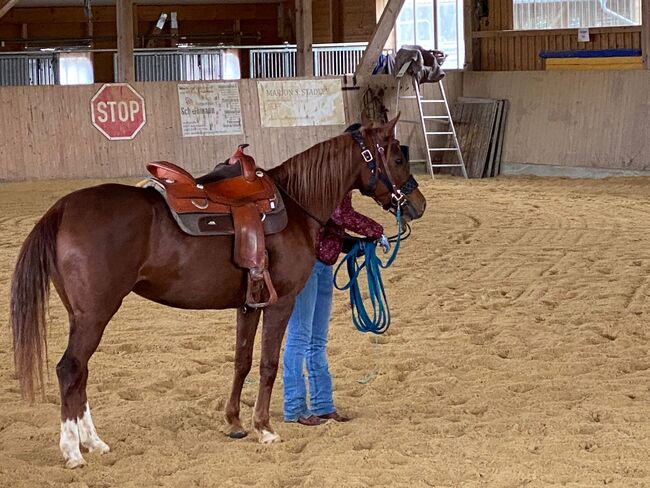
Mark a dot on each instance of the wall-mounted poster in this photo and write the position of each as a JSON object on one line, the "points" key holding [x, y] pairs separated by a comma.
{"points": [[289, 103], [210, 109]]}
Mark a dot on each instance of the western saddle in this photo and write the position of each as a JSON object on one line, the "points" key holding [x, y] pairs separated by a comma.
{"points": [[236, 199]]}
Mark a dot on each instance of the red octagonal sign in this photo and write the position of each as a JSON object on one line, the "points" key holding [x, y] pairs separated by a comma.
{"points": [[118, 111]]}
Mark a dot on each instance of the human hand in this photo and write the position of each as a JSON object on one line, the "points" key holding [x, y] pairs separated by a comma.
{"points": [[384, 243]]}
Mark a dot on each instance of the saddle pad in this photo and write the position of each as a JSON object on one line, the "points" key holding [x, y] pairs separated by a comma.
{"points": [[220, 223]]}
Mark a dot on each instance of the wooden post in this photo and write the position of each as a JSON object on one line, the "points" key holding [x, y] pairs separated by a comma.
{"points": [[304, 39], [125, 61], [645, 32], [6, 6], [379, 37], [24, 35], [470, 24], [337, 21]]}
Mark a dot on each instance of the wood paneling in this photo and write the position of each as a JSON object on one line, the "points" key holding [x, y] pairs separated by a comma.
{"points": [[359, 19], [519, 50], [47, 133], [584, 119], [499, 16]]}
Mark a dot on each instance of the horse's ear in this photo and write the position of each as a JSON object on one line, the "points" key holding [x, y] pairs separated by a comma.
{"points": [[365, 120], [389, 129]]}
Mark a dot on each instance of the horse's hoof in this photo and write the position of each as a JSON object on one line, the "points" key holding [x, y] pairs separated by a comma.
{"points": [[75, 463], [240, 434], [267, 437], [101, 447]]}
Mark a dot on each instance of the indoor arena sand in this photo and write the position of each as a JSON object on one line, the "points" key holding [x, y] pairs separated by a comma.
{"points": [[518, 355]]}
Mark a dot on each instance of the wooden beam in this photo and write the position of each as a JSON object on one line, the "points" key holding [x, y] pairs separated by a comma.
{"points": [[555, 32], [379, 37], [645, 32], [125, 61], [470, 26], [337, 21], [6, 6], [304, 39]]}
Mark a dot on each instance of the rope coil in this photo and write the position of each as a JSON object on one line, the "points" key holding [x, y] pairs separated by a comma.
{"points": [[379, 321]]}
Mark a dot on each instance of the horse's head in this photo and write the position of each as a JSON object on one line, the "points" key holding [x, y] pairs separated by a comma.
{"points": [[386, 174]]}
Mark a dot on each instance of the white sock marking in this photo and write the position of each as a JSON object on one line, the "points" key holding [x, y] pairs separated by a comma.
{"points": [[69, 444], [88, 435]]}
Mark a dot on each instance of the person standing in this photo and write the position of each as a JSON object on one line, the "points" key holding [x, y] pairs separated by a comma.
{"points": [[306, 343]]}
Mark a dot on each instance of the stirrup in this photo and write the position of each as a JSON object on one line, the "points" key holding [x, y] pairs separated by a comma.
{"points": [[255, 288]]}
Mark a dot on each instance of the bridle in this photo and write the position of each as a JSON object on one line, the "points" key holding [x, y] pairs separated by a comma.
{"points": [[382, 173]]}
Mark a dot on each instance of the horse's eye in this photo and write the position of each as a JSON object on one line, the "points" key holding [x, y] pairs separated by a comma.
{"points": [[398, 161]]}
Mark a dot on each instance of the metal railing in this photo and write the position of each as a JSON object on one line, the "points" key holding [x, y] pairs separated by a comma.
{"points": [[337, 59], [329, 60], [188, 64], [34, 69], [165, 65]]}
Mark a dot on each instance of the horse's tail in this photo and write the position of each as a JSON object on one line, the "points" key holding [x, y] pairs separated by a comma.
{"points": [[30, 290]]}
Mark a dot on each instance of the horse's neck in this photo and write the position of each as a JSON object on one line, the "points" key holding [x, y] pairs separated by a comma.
{"points": [[341, 169]]}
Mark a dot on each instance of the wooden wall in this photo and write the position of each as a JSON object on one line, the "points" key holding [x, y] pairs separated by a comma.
{"points": [[499, 48], [580, 119], [47, 133], [519, 50], [343, 21]]}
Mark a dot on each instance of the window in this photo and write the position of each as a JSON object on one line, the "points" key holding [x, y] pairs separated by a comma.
{"points": [[563, 14], [75, 69], [433, 24]]}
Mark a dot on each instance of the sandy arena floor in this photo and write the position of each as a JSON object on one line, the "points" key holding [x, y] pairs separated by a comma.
{"points": [[518, 356]]}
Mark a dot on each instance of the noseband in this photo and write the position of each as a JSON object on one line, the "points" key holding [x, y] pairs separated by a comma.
{"points": [[398, 195]]}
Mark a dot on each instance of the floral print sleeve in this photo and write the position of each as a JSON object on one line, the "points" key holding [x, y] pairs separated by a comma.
{"points": [[345, 216], [330, 238]]}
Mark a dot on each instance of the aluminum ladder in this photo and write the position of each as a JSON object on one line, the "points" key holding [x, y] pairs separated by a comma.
{"points": [[447, 128]]}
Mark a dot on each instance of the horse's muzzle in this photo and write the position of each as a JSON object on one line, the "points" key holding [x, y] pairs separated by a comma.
{"points": [[412, 212]]}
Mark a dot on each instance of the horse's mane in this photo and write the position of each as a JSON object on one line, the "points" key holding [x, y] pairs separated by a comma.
{"points": [[319, 177]]}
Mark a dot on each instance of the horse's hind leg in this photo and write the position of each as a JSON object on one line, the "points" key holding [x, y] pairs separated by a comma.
{"points": [[72, 371], [275, 322], [246, 329]]}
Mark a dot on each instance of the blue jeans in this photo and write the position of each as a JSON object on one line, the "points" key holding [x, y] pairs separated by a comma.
{"points": [[307, 343]]}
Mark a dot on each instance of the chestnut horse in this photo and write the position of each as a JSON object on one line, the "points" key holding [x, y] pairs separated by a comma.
{"points": [[99, 244]]}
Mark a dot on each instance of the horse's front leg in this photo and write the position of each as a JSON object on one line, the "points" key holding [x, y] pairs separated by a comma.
{"points": [[246, 329], [275, 322]]}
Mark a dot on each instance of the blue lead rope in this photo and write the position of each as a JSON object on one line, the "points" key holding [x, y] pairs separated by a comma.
{"points": [[379, 322]]}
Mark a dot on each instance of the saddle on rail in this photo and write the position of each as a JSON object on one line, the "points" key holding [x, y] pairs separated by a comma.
{"points": [[236, 199]]}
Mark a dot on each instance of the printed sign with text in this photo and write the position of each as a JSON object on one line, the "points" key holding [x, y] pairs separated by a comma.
{"points": [[288, 103], [209, 109]]}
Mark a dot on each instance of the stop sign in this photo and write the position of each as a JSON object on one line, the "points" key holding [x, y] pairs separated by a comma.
{"points": [[118, 111]]}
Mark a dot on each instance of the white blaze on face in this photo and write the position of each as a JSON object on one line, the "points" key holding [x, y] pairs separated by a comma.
{"points": [[69, 444], [88, 435]]}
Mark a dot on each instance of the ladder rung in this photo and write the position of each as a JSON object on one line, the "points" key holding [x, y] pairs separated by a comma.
{"points": [[436, 117], [432, 101], [407, 97], [444, 149], [439, 133], [445, 165]]}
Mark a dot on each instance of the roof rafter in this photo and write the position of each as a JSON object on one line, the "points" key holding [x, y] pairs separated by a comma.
{"points": [[6, 6]]}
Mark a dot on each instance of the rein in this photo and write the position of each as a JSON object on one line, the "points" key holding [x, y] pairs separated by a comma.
{"points": [[300, 205], [379, 321]]}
